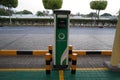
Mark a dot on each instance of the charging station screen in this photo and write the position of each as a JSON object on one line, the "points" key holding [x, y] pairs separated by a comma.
{"points": [[62, 23]]}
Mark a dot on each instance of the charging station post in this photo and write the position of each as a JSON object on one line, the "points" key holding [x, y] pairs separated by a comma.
{"points": [[61, 24]]}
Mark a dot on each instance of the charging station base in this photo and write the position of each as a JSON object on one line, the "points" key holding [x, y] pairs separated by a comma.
{"points": [[60, 67]]}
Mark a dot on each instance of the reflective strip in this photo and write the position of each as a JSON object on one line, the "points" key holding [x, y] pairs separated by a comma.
{"points": [[24, 53], [74, 56], [80, 52], [73, 67], [106, 52], [87, 52], [43, 52], [48, 67], [40, 52], [48, 56], [8, 52], [93, 52], [50, 47], [70, 47]]}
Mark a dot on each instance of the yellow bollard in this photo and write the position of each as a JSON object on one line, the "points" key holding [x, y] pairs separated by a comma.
{"points": [[74, 62], [48, 58], [50, 50], [70, 52]]}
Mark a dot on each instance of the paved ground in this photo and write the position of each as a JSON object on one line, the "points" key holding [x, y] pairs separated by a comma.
{"points": [[59, 75], [35, 38], [91, 61], [22, 62], [30, 38]]}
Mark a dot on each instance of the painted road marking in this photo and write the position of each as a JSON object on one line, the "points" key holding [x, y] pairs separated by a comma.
{"points": [[61, 75], [92, 69], [22, 69], [42, 69]]}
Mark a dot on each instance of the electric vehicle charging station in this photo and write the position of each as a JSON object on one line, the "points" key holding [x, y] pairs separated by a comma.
{"points": [[61, 25]]}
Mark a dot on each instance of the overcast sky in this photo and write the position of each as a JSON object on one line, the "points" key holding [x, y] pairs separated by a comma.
{"points": [[81, 6]]}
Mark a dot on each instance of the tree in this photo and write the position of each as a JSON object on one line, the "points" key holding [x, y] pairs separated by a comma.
{"points": [[46, 13], [92, 14], [4, 12], [9, 4], [52, 4], [106, 14], [39, 13], [24, 12], [98, 5]]}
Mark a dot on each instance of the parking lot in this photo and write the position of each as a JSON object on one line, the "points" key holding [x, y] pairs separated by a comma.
{"points": [[38, 38]]}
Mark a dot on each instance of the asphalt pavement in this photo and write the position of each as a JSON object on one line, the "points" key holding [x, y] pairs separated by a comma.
{"points": [[38, 38]]}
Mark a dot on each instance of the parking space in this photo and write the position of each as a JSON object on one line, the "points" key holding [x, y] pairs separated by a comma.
{"points": [[37, 38], [89, 61], [39, 74], [89, 67]]}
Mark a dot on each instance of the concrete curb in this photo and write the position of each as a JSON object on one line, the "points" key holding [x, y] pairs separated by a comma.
{"points": [[89, 52], [24, 52], [43, 52]]}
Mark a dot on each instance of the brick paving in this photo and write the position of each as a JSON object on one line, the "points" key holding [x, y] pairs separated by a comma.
{"points": [[37, 38], [89, 61]]}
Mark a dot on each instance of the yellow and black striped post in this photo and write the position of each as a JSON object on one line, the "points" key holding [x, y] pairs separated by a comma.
{"points": [[74, 62], [48, 67], [50, 50], [70, 52]]}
